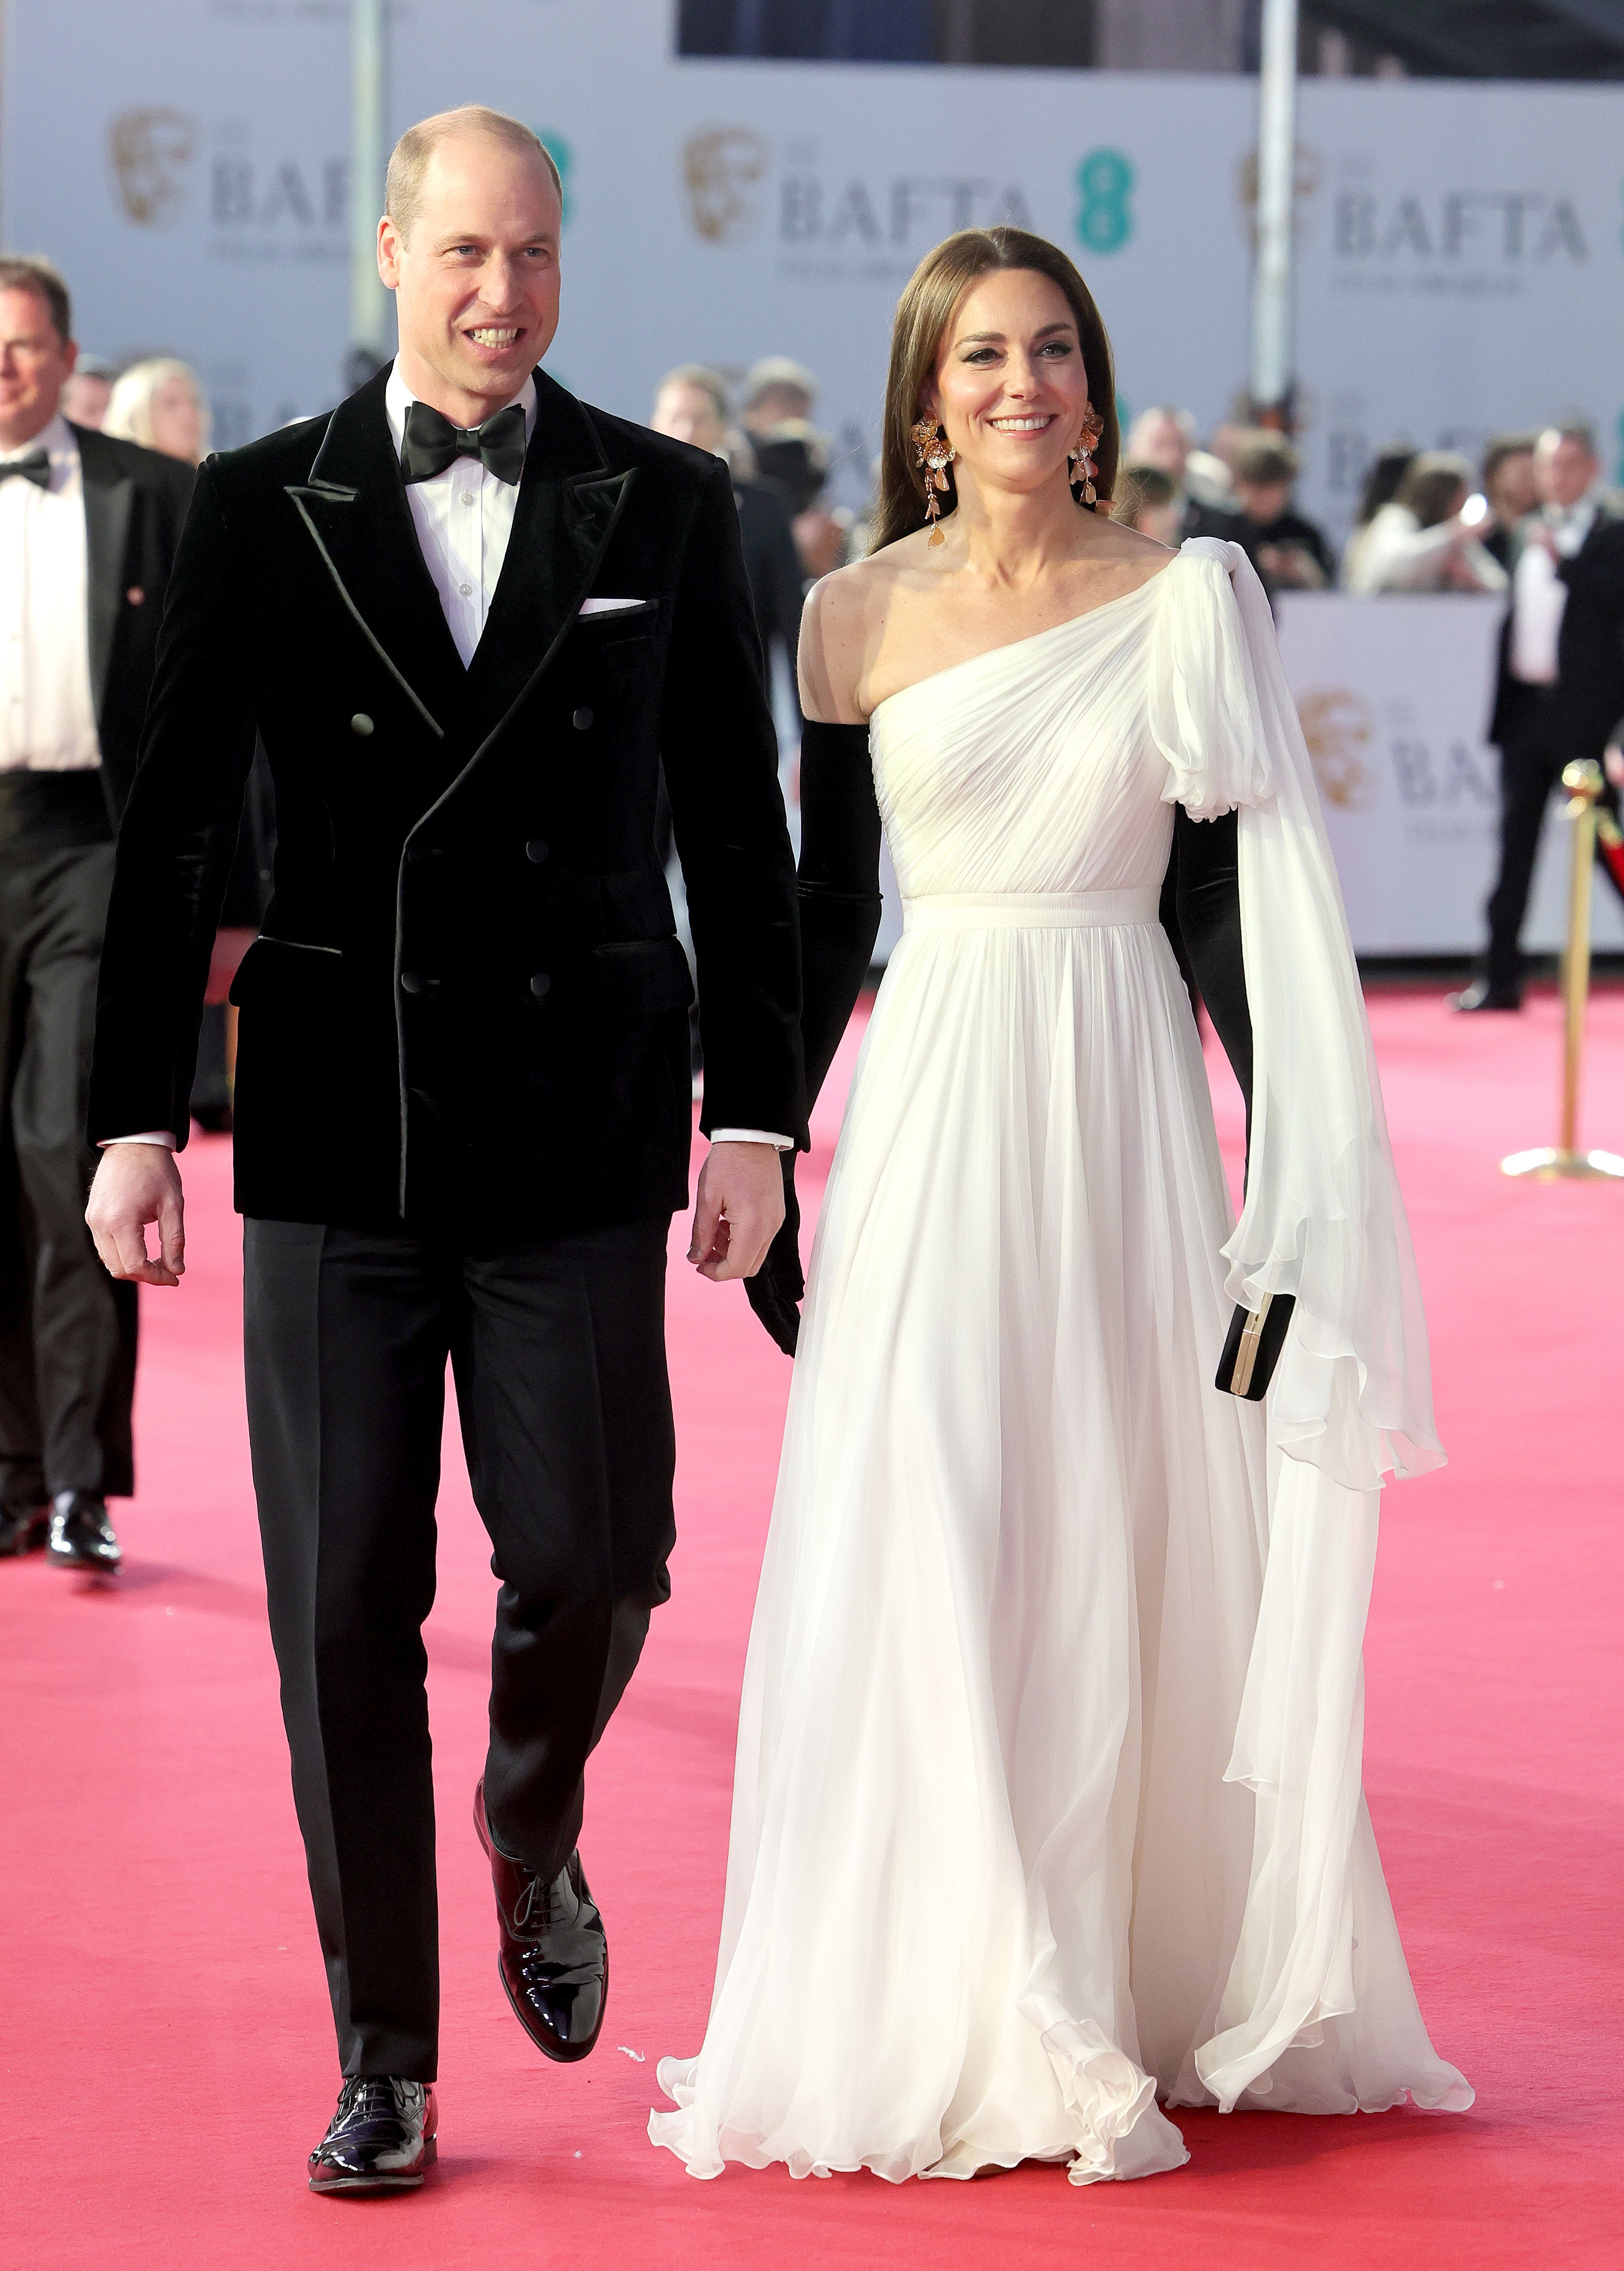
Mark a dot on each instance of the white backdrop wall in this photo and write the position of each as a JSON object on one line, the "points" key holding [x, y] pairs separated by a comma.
{"points": [[1462, 264]]}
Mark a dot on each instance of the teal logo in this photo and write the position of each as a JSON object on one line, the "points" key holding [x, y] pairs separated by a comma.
{"points": [[562, 156], [1104, 216]]}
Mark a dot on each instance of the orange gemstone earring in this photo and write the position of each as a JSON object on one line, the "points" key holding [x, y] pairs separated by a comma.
{"points": [[1082, 455], [935, 453]]}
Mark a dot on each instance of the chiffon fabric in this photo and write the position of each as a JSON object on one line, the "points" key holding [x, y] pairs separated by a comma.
{"points": [[1047, 1795]]}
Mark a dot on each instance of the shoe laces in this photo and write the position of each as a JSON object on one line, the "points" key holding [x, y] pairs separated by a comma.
{"points": [[532, 1911], [371, 2098]]}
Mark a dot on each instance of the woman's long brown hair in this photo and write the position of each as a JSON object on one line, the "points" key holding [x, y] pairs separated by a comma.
{"points": [[924, 313]]}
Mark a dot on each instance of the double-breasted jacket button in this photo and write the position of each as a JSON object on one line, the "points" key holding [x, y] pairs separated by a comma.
{"points": [[541, 985], [411, 981], [360, 723], [536, 850], [582, 718]]}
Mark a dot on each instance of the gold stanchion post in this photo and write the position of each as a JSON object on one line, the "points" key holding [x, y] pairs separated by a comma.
{"points": [[1566, 1162]]}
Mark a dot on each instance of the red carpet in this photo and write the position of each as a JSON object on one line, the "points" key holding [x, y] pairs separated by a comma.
{"points": [[168, 2053]]}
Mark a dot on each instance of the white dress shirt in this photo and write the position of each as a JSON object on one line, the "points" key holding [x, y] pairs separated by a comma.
{"points": [[1538, 596], [464, 519], [47, 719]]}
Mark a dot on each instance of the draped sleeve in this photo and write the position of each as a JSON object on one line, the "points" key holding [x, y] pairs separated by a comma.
{"points": [[1350, 1399], [1323, 1218]]}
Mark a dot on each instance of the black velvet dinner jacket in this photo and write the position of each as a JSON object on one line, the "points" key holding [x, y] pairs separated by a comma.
{"points": [[135, 507], [468, 1005]]}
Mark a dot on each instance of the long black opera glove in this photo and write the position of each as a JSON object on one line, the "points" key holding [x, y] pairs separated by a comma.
{"points": [[1206, 877], [840, 900]]}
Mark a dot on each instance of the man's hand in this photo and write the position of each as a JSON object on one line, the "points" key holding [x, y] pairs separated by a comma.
{"points": [[736, 1213], [135, 1184]]}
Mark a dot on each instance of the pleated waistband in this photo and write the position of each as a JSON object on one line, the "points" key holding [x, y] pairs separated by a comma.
{"points": [[1031, 910]]}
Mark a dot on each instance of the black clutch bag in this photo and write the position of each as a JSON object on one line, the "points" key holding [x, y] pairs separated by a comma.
{"points": [[1253, 1347]]}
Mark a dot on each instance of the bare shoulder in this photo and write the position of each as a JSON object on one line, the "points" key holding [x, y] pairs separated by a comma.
{"points": [[840, 625]]}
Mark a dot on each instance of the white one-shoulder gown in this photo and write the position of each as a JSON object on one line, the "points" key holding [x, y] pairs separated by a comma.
{"points": [[1047, 1800]]}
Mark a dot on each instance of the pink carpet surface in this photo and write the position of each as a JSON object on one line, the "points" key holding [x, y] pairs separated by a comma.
{"points": [[167, 2047]]}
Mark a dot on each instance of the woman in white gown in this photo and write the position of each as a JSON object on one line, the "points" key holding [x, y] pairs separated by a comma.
{"points": [[1047, 1800]]}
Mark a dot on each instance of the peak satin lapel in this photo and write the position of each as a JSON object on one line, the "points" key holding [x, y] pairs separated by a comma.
{"points": [[353, 507], [560, 531]]}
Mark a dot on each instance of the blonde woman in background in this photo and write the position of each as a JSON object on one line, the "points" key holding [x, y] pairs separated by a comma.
{"points": [[160, 404]]}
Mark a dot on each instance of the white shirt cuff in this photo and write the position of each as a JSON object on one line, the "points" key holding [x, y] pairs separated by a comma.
{"points": [[751, 1135], [160, 1136]]}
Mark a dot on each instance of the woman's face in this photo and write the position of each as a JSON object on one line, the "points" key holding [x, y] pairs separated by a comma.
{"points": [[1009, 387], [177, 420]]}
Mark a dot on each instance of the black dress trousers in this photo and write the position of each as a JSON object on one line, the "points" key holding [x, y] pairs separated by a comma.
{"points": [[557, 1347], [1532, 753], [67, 1332]]}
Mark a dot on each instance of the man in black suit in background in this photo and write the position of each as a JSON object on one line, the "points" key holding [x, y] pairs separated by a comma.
{"points": [[88, 530], [470, 619], [1554, 682], [690, 404]]}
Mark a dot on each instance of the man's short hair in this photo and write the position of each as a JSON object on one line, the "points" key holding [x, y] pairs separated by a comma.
{"points": [[1502, 446], [403, 184], [776, 372], [1263, 459], [27, 272], [699, 375], [1572, 429]]}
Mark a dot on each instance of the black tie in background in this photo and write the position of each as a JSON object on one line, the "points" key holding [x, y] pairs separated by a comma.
{"points": [[433, 443], [36, 467]]}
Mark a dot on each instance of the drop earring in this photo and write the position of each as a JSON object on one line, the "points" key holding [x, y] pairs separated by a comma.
{"points": [[1081, 456], [935, 453]]}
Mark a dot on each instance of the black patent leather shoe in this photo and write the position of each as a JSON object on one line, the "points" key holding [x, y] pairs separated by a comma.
{"points": [[1481, 995], [82, 1537], [379, 2140], [554, 1959], [23, 1533]]}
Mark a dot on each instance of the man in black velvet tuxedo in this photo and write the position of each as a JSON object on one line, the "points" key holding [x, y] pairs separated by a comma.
{"points": [[88, 531], [470, 619]]}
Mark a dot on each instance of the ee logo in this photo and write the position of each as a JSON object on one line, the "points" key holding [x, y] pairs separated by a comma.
{"points": [[1104, 218]]}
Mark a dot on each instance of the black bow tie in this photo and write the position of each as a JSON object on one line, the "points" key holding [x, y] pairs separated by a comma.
{"points": [[35, 467], [433, 443]]}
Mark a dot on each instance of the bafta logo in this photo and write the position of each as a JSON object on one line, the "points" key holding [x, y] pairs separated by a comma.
{"points": [[150, 152], [1308, 171], [720, 168], [1336, 725]]}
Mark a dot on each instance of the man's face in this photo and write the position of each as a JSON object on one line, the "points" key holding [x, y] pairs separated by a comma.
{"points": [[1264, 500], [1159, 440], [1563, 469], [1511, 490], [476, 283], [85, 397], [34, 366], [688, 414], [774, 407]]}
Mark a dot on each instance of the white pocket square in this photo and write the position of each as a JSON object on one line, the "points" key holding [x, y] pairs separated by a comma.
{"points": [[610, 607]]}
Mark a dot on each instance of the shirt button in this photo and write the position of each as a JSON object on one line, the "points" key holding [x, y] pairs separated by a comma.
{"points": [[466, 590], [467, 497]]}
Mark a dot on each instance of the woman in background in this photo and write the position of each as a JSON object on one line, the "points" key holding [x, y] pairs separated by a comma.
{"points": [[1423, 542], [160, 404]]}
